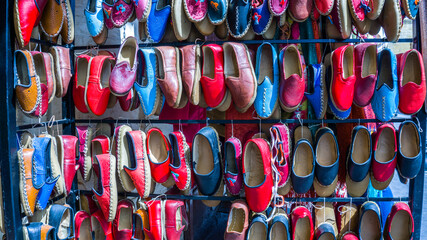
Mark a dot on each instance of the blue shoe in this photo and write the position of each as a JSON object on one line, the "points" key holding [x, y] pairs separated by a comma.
{"points": [[318, 96], [206, 157], [35, 231], [267, 74], [386, 96], [410, 8], [279, 228], [149, 93], [261, 16], [370, 226], [239, 17], [61, 217], [43, 170], [94, 17], [258, 228], [302, 174], [326, 225], [409, 154], [217, 11], [327, 162], [157, 20]]}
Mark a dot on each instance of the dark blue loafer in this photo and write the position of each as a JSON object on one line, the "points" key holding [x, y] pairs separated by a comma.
{"points": [[206, 157], [279, 228], [35, 231], [370, 226], [409, 154], [61, 217], [258, 228], [302, 174], [261, 16], [239, 17], [318, 95]]}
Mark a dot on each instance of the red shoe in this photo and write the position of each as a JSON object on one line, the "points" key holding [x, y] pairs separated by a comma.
{"points": [[43, 63], [412, 81], [105, 187], [97, 89], [176, 219], [100, 145], [180, 165], [158, 150], [365, 69], [102, 229], [342, 87], [81, 76], [257, 174], [82, 224], [212, 80], [68, 155], [123, 223], [403, 227], [155, 219], [27, 14], [384, 152], [292, 82], [302, 223]]}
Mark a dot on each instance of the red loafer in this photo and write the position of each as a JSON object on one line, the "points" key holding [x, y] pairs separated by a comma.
{"points": [[100, 145], [384, 151], [82, 70], [281, 152], [43, 62], [155, 209], [123, 223], [401, 219], [82, 224], [180, 166], [68, 155], [302, 223], [97, 89], [26, 15], [102, 229], [176, 219], [365, 69], [158, 151], [412, 81]]}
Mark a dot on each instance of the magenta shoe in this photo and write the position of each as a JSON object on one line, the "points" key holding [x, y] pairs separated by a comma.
{"points": [[142, 9], [124, 72], [281, 146], [278, 7], [196, 10], [401, 219], [121, 13], [233, 165]]}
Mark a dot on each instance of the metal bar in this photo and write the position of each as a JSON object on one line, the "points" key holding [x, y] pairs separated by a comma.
{"points": [[42, 124], [8, 144], [47, 43], [303, 41]]}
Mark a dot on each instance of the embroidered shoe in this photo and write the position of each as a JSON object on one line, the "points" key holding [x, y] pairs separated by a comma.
{"points": [[62, 69], [365, 69], [317, 95], [26, 16], [237, 223], [239, 18], [196, 10], [325, 225], [123, 223], [412, 81], [267, 73], [261, 16], [386, 97], [399, 223], [121, 13], [370, 221], [28, 187], [94, 17], [278, 7], [302, 223], [80, 81], [258, 228], [281, 152], [142, 9], [410, 7], [300, 10], [217, 11], [38, 231], [107, 6], [233, 165], [324, 7], [180, 166], [158, 152], [409, 154], [384, 151]]}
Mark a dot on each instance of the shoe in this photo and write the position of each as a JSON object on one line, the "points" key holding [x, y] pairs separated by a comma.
{"points": [[292, 83], [364, 27], [52, 18], [258, 228], [279, 228], [300, 10], [261, 16], [175, 219], [27, 83], [123, 223], [169, 74], [80, 81], [267, 73], [191, 72], [181, 24], [127, 102], [391, 20], [102, 229], [239, 75], [196, 10], [82, 224], [384, 152], [237, 223], [239, 18], [180, 166], [257, 174], [376, 9], [97, 87], [214, 89], [302, 174], [28, 190], [359, 9], [302, 223], [123, 74], [68, 155], [157, 20], [324, 7], [142, 9], [340, 17], [359, 161], [365, 62], [370, 221], [122, 12], [281, 152], [26, 16], [349, 236], [327, 162], [206, 156], [149, 93], [123, 150], [347, 220], [100, 145], [67, 31], [412, 82], [343, 78], [107, 6], [233, 165], [278, 7], [204, 27], [158, 151], [105, 187], [61, 218], [325, 224], [317, 95], [156, 210], [94, 17], [217, 11], [386, 96], [409, 154], [62, 69], [140, 221], [410, 7], [38, 231], [403, 227], [44, 66]]}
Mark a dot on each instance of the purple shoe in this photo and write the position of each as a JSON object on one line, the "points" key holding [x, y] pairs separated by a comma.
{"points": [[124, 72], [278, 7], [142, 9], [196, 10], [122, 12], [233, 165], [107, 6]]}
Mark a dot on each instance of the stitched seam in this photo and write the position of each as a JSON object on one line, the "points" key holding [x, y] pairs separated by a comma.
{"points": [[24, 184]]}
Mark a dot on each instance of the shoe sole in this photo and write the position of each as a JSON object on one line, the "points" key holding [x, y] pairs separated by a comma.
{"points": [[86, 87], [381, 185], [23, 185], [178, 71], [322, 190], [113, 189], [17, 25], [244, 109], [70, 22], [119, 144], [57, 73], [323, 93], [180, 35], [197, 88]]}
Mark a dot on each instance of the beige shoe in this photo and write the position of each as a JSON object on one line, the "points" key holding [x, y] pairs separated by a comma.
{"points": [[122, 152], [391, 20], [325, 225], [348, 218], [181, 24]]}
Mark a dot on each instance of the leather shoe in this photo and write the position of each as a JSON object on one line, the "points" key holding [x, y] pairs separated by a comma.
{"points": [[292, 83]]}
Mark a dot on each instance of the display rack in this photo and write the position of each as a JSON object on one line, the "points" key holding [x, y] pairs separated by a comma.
{"points": [[8, 132]]}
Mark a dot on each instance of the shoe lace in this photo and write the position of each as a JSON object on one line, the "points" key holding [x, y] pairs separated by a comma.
{"points": [[364, 4]]}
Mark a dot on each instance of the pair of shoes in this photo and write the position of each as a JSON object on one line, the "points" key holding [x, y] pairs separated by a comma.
{"points": [[92, 226], [278, 229]]}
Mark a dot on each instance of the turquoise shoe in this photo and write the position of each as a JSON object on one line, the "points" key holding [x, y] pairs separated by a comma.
{"points": [[217, 11]]}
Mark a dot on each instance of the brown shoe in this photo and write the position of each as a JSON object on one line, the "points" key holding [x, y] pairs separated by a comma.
{"points": [[239, 75], [191, 72], [347, 218], [62, 69], [67, 32], [52, 18]]}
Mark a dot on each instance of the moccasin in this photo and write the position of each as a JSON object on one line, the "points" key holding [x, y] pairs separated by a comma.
{"points": [[61, 218], [384, 152], [399, 223], [81, 78], [300, 10], [376, 9], [237, 223], [391, 20], [158, 152], [279, 228], [281, 145], [140, 221], [123, 223], [52, 19], [154, 28], [122, 12], [410, 7], [217, 11], [324, 7], [101, 228], [325, 225], [302, 223], [82, 224], [343, 78], [28, 189], [317, 95], [26, 16], [176, 220], [191, 72], [261, 16], [347, 220], [122, 151], [370, 226], [258, 229], [233, 165], [62, 69], [409, 155], [38, 231], [302, 173], [84, 134], [180, 23], [68, 155], [278, 7], [142, 9], [365, 69], [239, 17], [67, 31], [180, 165], [196, 10], [44, 66]]}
